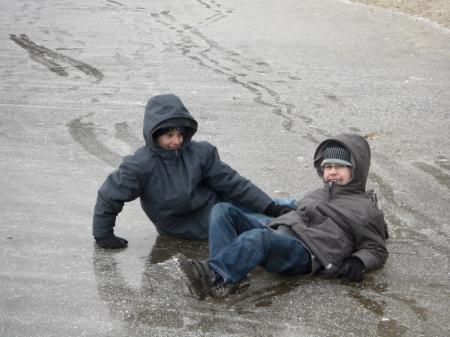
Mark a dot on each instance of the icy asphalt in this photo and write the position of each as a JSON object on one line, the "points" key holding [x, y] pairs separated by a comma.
{"points": [[267, 80]]}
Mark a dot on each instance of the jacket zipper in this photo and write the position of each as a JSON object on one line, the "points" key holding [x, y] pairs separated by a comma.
{"points": [[330, 189]]}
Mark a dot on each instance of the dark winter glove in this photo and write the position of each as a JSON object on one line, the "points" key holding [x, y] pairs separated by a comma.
{"points": [[353, 269], [111, 242], [275, 210]]}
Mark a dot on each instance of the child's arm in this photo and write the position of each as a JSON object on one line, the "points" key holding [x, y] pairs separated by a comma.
{"points": [[370, 244], [119, 187]]}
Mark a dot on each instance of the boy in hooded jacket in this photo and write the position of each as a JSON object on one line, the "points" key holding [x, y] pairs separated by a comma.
{"points": [[337, 230], [177, 179]]}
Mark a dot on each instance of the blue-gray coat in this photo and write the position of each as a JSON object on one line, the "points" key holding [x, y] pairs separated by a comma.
{"points": [[177, 188]]}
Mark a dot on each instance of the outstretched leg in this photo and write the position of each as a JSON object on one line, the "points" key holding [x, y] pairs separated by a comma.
{"points": [[275, 252]]}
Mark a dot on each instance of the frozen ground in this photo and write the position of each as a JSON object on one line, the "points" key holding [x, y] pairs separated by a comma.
{"points": [[267, 80]]}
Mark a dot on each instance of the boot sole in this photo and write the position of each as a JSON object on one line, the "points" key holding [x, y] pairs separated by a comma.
{"points": [[238, 288], [182, 274]]}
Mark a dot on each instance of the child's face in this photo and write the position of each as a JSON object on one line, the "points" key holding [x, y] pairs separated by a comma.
{"points": [[340, 174], [171, 140]]}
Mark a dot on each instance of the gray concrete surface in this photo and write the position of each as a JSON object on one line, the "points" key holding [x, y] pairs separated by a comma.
{"points": [[267, 80]]}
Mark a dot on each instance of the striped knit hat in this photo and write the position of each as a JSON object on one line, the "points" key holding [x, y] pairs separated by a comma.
{"points": [[335, 153]]}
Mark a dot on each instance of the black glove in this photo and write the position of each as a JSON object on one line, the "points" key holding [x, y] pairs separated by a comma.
{"points": [[111, 242], [353, 269], [275, 210]]}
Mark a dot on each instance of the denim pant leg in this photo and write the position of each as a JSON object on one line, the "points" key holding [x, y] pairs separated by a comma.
{"points": [[286, 255], [226, 222], [275, 252]]}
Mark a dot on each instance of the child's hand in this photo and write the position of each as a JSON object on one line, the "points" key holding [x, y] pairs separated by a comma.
{"points": [[353, 269], [275, 210]]}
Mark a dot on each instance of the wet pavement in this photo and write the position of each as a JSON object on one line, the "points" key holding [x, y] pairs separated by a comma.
{"points": [[267, 81]]}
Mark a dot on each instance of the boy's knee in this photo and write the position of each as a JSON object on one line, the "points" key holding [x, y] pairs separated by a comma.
{"points": [[262, 237], [256, 235], [222, 208]]}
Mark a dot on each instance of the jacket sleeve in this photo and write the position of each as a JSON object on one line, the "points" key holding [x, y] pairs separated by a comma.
{"points": [[119, 187], [223, 179], [370, 245]]}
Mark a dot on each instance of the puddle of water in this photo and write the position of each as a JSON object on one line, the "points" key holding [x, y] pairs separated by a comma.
{"points": [[370, 304]]}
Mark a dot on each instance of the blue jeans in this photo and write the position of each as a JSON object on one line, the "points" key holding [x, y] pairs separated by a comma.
{"points": [[239, 242]]}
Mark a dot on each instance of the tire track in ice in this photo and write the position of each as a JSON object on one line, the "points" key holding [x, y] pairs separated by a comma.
{"points": [[53, 60], [219, 12], [85, 134]]}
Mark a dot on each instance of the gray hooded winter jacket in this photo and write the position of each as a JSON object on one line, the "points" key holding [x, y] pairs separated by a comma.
{"points": [[177, 188], [339, 221]]}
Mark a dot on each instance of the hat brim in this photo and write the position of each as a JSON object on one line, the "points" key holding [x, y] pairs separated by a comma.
{"points": [[335, 161]]}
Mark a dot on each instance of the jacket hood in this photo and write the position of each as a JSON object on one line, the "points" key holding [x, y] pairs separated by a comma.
{"points": [[360, 151], [164, 111]]}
